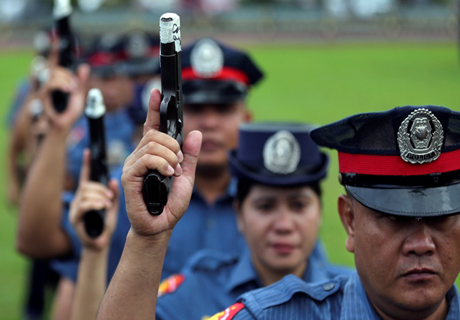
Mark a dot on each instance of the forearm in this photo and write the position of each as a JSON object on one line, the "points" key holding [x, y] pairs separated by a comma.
{"points": [[91, 284], [132, 293], [39, 232]]}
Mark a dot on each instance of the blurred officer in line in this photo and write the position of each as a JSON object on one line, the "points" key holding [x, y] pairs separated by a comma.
{"points": [[215, 81], [400, 170], [40, 234], [22, 115]]}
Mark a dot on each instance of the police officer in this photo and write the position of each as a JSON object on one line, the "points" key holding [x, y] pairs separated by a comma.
{"points": [[215, 81], [278, 203], [400, 170]]}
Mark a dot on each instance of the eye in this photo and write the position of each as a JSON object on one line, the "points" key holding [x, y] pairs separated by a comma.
{"points": [[299, 205], [264, 206]]}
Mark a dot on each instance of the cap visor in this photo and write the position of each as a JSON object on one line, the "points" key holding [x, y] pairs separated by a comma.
{"points": [[428, 202]]}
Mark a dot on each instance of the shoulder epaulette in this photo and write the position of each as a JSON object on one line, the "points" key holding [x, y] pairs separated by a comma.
{"points": [[170, 284], [228, 313]]}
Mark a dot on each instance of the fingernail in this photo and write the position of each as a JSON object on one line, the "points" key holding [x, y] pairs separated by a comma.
{"points": [[180, 156], [170, 169], [109, 194], [178, 170]]}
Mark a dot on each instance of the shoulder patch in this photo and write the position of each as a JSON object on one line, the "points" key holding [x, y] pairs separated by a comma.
{"points": [[170, 284], [228, 313]]}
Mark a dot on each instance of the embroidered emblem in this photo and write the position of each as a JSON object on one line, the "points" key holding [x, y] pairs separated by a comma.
{"points": [[228, 313], [170, 284], [281, 153], [420, 137], [138, 45], [207, 58]]}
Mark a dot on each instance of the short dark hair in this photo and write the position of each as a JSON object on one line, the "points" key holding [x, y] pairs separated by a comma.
{"points": [[244, 187]]}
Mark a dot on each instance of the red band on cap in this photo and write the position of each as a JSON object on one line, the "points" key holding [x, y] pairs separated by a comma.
{"points": [[382, 165], [225, 74], [101, 59]]}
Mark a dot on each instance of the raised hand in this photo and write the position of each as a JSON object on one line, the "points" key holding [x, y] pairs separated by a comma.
{"points": [[94, 196], [158, 151], [66, 81]]}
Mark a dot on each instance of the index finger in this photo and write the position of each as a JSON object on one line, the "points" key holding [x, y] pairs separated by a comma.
{"points": [[153, 114], [85, 168], [53, 58]]}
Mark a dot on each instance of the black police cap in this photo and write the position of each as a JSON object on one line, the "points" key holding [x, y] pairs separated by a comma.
{"points": [[215, 73], [405, 161], [277, 154]]}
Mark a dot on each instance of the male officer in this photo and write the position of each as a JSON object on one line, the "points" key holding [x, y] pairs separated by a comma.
{"points": [[401, 172], [400, 169], [215, 82]]}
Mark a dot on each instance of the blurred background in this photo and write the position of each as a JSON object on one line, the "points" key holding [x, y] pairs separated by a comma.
{"points": [[323, 60]]}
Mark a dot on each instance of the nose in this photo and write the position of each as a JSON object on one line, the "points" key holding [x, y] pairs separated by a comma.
{"points": [[210, 118], [419, 242], [284, 223]]}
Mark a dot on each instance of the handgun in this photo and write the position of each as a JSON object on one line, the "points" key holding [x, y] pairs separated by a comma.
{"points": [[94, 111], [67, 47], [156, 187]]}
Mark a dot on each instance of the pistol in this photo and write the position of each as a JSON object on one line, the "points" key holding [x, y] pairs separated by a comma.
{"points": [[67, 47], [94, 111], [156, 187]]}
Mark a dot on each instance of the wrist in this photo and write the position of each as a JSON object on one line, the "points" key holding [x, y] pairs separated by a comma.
{"points": [[159, 240]]}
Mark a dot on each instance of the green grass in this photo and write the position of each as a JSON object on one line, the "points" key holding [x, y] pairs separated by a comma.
{"points": [[313, 83]]}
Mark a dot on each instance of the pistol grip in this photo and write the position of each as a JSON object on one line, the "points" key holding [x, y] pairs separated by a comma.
{"points": [[155, 191], [94, 222], [59, 100]]}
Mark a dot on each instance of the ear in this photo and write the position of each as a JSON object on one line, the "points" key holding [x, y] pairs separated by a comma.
{"points": [[347, 215], [239, 218], [248, 116]]}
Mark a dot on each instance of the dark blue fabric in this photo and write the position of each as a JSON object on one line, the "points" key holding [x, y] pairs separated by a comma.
{"points": [[204, 226], [213, 280], [342, 298]]}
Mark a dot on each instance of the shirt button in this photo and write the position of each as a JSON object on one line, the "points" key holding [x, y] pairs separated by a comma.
{"points": [[210, 224], [328, 286]]}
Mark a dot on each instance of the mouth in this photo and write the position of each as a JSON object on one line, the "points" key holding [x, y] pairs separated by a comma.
{"points": [[210, 145], [420, 274], [282, 248]]}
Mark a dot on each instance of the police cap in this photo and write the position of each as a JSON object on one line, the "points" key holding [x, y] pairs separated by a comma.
{"points": [[405, 161], [277, 154], [216, 74]]}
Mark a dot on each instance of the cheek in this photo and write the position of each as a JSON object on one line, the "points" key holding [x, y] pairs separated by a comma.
{"points": [[308, 228]]}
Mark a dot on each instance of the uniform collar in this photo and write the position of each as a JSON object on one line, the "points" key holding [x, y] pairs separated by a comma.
{"points": [[355, 302], [316, 268], [243, 273], [229, 193]]}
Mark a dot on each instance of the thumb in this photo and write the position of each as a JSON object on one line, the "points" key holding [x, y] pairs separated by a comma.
{"points": [[191, 149], [114, 187], [85, 167]]}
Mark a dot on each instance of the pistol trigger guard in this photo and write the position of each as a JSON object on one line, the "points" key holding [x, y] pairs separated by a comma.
{"points": [[164, 113]]}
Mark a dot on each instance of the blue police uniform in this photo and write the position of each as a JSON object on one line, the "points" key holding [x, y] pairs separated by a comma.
{"points": [[219, 279], [342, 298]]}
